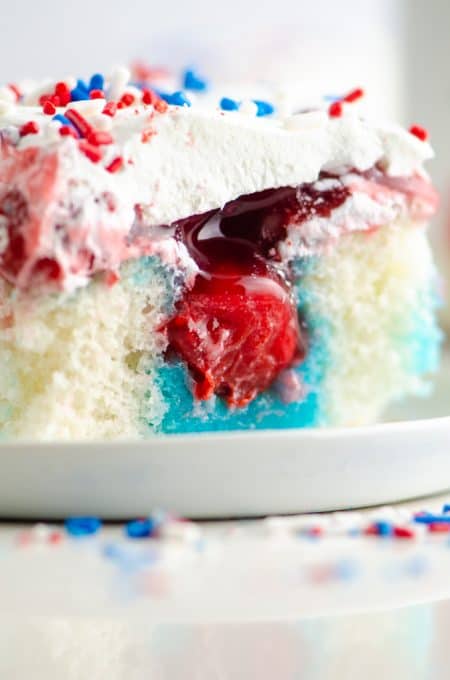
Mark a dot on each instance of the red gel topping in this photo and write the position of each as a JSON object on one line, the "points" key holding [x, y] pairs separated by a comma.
{"points": [[238, 327]]}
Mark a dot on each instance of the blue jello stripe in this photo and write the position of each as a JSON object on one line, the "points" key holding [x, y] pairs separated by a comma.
{"points": [[267, 411]]}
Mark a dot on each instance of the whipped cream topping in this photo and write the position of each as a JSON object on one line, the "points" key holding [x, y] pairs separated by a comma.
{"points": [[171, 162]]}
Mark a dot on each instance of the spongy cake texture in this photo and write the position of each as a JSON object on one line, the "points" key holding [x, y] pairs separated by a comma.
{"points": [[77, 366], [90, 364]]}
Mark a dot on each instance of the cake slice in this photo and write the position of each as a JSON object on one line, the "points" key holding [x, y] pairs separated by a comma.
{"points": [[176, 260]]}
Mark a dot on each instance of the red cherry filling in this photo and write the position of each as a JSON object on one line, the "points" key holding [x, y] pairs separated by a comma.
{"points": [[237, 328], [13, 215]]}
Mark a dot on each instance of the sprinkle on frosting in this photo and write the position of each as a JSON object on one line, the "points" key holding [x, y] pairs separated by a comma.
{"points": [[354, 95], [335, 109], [192, 81], [82, 526], [228, 104], [29, 128], [175, 99], [264, 108], [419, 132], [115, 165]]}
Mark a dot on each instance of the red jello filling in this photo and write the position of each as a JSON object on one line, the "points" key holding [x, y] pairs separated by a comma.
{"points": [[237, 328]]}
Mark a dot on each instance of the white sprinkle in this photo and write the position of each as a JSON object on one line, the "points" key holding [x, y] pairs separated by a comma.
{"points": [[32, 97], [41, 531], [248, 108], [276, 525], [88, 106], [186, 532], [102, 122], [7, 95], [118, 82]]}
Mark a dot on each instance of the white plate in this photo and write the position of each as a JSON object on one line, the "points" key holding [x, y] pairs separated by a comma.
{"points": [[236, 474]]}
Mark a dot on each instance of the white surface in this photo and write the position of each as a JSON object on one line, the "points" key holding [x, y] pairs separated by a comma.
{"points": [[408, 644], [233, 572], [235, 474]]}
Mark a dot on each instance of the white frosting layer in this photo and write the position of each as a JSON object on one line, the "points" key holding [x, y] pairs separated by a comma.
{"points": [[200, 157], [180, 162]]}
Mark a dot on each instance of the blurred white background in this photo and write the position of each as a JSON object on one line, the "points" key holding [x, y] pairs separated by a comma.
{"points": [[332, 44]]}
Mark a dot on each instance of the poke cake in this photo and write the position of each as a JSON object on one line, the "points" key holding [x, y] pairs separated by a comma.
{"points": [[176, 259]]}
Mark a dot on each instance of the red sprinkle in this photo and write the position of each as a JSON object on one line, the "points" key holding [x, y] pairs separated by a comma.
{"points": [[111, 278], [110, 109], [96, 94], [16, 90], [371, 530], [29, 128], [315, 531], [354, 95], [98, 137], [419, 132], [335, 110], [92, 152], [55, 537], [149, 97], [147, 135], [44, 98], [439, 527], [68, 131], [115, 165], [161, 106], [403, 532], [82, 125], [127, 99], [63, 92], [49, 108]]}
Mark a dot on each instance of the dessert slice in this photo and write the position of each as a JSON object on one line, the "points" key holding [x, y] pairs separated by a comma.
{"points": [[170, 265]]}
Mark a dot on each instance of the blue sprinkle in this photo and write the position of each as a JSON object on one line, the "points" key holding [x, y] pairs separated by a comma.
{"points": [[82, 85], [431, 519], [228, 104], [112, 551], [96, 82], [446, 508], [264, 108], [175, 99], [383, 528], [354, 531], [332, 97], [78, 94], [416, 566], [62, 119], [346, 570], [141, 528], [128, 560], [82, 526], [192, 81]]}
